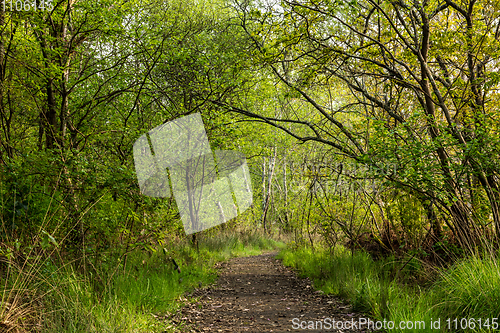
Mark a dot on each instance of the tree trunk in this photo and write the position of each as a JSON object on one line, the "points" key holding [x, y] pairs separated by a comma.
{"points": [[432, 218], [49, 117], [272, 163]]}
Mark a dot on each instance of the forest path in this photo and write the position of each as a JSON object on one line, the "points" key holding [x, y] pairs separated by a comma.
{"points": [[259, 294]]}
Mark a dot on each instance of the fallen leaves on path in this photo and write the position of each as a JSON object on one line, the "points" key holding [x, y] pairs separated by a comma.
{"points": [[259, 294]]}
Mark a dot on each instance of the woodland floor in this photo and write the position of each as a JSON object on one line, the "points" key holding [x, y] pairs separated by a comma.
{"points": [[259, 294]]}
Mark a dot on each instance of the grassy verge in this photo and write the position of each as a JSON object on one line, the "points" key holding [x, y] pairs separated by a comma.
{"points": [[115, 297], [469, 291]]}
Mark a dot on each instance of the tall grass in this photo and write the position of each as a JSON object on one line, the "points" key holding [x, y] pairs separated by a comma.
{"points": [[472, 287], [386, 289], [45, 296], [74, 306]]}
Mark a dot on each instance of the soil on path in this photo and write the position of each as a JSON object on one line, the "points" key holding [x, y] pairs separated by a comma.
{"points": [[259, 294]]}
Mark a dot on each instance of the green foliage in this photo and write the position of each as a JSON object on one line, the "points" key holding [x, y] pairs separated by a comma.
{"points": [[472, 287], [118, 296], [79, 84], [468, 289], [358, 78]]}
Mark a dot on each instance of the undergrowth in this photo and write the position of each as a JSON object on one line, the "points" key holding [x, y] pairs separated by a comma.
{"points": [[43, 294], [386, 289]]}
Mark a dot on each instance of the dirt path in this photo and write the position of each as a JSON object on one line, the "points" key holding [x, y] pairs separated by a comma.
{"points": [[259, 294]]}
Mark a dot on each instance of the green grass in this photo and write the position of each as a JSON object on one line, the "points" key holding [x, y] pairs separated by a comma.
{"points": [[152, 284], [114, 298], [383, 289], [471, 286]]}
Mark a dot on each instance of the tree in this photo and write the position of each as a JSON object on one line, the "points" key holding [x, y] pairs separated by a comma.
{"points": [[420, 90], [81, 82]]}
